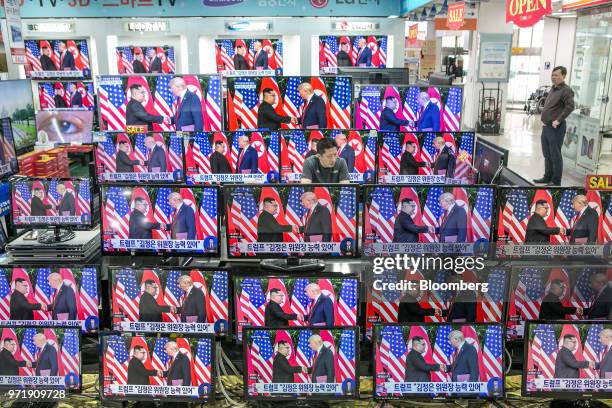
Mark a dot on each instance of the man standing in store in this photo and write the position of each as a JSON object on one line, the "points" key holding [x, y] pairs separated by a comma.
{"points": [[557, 107], [325, 166]]}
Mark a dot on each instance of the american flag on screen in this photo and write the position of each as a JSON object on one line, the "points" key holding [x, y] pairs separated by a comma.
{"points": [[250, 53], [370, 107], [141, 151], [481, 214], [227, 53], [295, 211], [346, 355], [606, 227], [22, 198], [56, 55], [89, 293], [492, 353], [246, 102], [47, 94], [292, 101], [253, 301], [126, 60], [117, 213], [493, 304], [544, 349], [593, 348], [70, 353], [382, 213], [440, 299], [235, 148], [346, 213], [262, 355], [29, 350], [278, 54], [160, 359], [33, 55], [43, 292], [175, 153], [83, 205], [432, 212], [386, 302], [382, 52], [393, 352], [411, 106], [369, 153], [203, 362], [299, 300], [169, 66], [331, 50], [341, 103], [429, 151], [5, 296], [274, 151], [83, 58], [212, 104], [244, 213], [467, 145], [87, 93], [451, 116], [173, 294], [297, 147], [303, 354], [116, 358], [163, 211], [163, 100], [53, 197], [127, 293], [111, 98], [201, 152], [564, 215], [442, 353], [582, 294], [515, 214], [105, 154], [208, 212], [354, 52], [347, 303], [218, 296], [529, 293], [391, 153]]}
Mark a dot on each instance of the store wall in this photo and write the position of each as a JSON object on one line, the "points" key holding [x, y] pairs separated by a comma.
{"points": [[558, 46], [196, 33]]}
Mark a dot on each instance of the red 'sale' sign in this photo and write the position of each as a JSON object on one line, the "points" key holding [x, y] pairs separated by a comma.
{"points": [[525, 13], [456, 14], [413, 32]]}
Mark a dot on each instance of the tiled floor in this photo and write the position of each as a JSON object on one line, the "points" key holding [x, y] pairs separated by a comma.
{"points": [[522, 139]]}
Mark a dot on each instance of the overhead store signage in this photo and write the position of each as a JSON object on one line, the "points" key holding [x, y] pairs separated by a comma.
{"points": [[355, 26], [578, 4], [209, 8], [51, 28], [456, 16], [249, 26], [147, 26], [525, 13], [15, 34], [413, 33]]}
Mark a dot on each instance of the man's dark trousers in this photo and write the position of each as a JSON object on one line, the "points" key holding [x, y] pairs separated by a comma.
{"points": [[552, 140]]}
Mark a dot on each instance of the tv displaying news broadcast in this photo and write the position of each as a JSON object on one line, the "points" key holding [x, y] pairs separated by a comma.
{"points": [[427, 219], [233, 157], [357, 147], [149, 59], [479, 299], [261, 54], [351, 51], [151, 103], [439, 156], [51, 202], [291, 221], [60, 126], [438, 361], [70, 95], [51, 296], [167, 300], [8, 157], [568, 359], [154, 367], [553, 221], [407, 109], [296, 301], [557, 293], [20, 109], [330, 107], [160, 219], [301, 363], [41, 358], [142, 157], [50, 59]]}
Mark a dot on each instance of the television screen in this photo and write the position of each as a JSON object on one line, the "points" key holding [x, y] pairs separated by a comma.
{"points": [[427, 219], [5, 198], [8, 158], [236, 55], [439, 156], [160, 219], [234, 157], [351, 51], [51, 202], [154, 367], [295, 301], [151, 103], [357, 148], [61, 126], [413, 108], [167, 300], [73, 95], [41, 358], [148, 59], [51, 296], [557, 293], [20, 109], [291, 221], [438, 361], [152, 157], [567, 360], [488, 159], [331, 108], [553, 221], [301, 363], [49, 59], [436, 296]]}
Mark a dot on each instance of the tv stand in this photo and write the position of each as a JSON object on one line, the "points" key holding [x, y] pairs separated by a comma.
{"points": [[293, 264], [54, 236], [579, 403]]}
